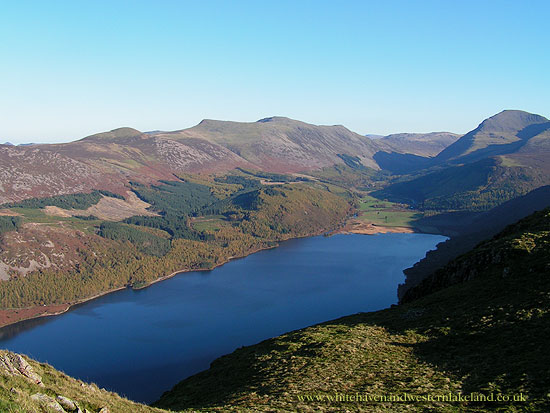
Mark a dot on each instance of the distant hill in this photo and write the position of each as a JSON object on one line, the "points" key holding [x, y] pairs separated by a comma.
{"points": [[505, 133], [506, 156], [281, 144], [109, 160], [412, 151], [422, 144]]}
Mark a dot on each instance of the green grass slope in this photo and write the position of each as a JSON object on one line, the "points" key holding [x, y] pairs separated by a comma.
{"points": [[485, 339], [28, 386]]}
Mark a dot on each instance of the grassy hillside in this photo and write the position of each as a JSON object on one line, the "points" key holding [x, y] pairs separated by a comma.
{"points": [[28, 386], [485, 339]]}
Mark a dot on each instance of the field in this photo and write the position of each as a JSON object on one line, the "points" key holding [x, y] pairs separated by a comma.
{"points": [[209, 223], [384, 213]]}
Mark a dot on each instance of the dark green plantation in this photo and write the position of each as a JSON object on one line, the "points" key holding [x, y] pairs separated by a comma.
{"points": [[9, 223], [75, 201]]}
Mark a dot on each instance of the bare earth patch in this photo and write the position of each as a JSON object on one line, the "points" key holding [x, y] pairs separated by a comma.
{"points": [[56, 211], [113, 209], [109, 209], [367, 228], [8, 213]]}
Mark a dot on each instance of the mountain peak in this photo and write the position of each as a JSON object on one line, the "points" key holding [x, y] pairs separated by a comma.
{"points": [[511, 121], [119, 133], [496, 135], [273, 119]]}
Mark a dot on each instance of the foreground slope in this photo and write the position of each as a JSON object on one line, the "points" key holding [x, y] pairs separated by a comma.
{"points": [[28, 386], [487, 336]]}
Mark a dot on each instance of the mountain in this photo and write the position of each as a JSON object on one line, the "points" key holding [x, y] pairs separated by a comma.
{"points": [[504, 157], [422, 144], [504, 133], [412, 151], [281, 144], [374, 136], [111, 159], [480, 330]]}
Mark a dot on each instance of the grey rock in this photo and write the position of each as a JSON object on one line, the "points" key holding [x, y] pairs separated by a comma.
{"points": [[66, 403], [48, 402], [15, 364]]}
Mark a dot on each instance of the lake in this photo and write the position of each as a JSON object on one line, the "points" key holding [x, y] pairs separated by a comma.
{"points": [[141, 343]]}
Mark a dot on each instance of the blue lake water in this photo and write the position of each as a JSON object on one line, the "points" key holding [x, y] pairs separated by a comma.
{"points": [[141, 343]]}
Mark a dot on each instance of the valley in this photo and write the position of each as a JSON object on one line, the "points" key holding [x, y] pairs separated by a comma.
{"points": [[119, 211]]}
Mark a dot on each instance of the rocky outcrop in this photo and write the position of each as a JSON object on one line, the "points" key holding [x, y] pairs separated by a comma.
{"points": [[48, 402], [66, 403], [15, 364]]}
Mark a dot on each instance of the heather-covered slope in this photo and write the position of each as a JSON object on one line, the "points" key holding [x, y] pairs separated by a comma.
{"points": [[283, 145], [109, 160]]}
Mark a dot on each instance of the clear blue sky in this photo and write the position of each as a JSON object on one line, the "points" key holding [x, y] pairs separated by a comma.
{"points": [[73, 68]]}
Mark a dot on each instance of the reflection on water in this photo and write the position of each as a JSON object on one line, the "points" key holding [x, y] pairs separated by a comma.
{"points": [[140, 343]]}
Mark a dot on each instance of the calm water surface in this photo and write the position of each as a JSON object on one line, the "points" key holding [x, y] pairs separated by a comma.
{"points": [[141, 343]]}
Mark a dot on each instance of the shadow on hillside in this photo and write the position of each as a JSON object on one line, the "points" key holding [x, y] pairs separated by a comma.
{"points": [[490, 334]]}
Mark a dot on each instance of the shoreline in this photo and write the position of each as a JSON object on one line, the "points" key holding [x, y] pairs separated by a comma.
{"points": [[355, 226], [30, 313]]}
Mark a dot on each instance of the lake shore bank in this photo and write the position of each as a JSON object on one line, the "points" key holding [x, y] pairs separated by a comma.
{"points": [[352, 226], [355, 226], [16, 315]]}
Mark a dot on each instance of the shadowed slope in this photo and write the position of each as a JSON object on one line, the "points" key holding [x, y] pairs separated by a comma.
{"points": [[486, 336]]}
